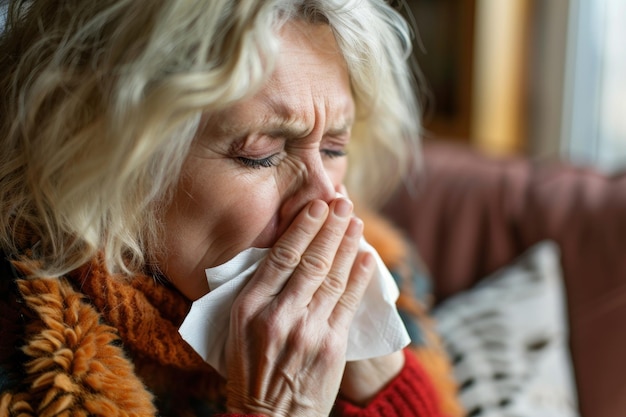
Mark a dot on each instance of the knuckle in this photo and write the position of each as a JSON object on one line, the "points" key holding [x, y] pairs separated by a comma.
{"points": [[273, 326], [266, 328], [283, 258], [315, 263], [361, 280], [350, 300], [241, 308], [303, 229], [333, 347], [334, 284], [336, 231]]}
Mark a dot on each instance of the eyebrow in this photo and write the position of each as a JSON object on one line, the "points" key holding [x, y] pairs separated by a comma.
{"points": [[284, 128], [279, 126]]}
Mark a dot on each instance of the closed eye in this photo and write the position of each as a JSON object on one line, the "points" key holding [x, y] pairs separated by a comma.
{"points": [[333, 153], [270, 161]]}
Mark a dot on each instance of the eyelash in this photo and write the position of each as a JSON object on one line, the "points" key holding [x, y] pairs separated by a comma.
{"points": [[270, 161], [331, 153], [273, 160]]}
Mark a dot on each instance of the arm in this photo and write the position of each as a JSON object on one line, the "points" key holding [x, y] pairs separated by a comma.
{"points": [[410, 393]]}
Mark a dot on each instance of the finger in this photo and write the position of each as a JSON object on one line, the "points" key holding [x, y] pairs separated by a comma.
{"points": [[284, 257], [350, 300], [334, 285], [341, 189], [318, 258]]}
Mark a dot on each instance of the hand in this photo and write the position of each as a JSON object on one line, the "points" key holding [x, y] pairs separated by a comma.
{"points": [[362, 380], [289, 325]]}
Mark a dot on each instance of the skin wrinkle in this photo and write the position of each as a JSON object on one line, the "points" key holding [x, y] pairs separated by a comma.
{"points": [[322, 122], [288, 370], [274, 392]]}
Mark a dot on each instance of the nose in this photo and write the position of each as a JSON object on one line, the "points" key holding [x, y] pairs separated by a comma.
{"points": [[314, 183]]}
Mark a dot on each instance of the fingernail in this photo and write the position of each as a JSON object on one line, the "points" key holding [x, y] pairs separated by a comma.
{"points": [[368, 262], [342, 208], [317, 209], [355, 228]]}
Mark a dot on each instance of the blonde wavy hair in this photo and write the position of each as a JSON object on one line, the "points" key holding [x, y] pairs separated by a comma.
{"points": [[102, 99]]}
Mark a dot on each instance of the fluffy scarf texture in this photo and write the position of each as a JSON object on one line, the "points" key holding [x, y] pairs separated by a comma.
{"points": [[73, 362]]}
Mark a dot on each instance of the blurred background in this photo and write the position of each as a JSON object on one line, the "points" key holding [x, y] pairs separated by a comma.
{"points": [[545, 78]]}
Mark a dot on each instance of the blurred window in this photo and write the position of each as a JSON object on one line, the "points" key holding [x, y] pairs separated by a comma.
{"points": [[594, 118]]}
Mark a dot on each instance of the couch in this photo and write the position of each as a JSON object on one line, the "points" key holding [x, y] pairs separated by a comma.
{"points": [[471, 214]]}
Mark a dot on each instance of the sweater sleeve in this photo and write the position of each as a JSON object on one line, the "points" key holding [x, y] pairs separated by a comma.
{"points": [[410, 393]]}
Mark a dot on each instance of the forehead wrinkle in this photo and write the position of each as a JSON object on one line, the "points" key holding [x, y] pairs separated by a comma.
{"points": [[291, 121], [264, 118], [278, 119], [285, 115], [340, 121], [283, 120], [278, 110]]}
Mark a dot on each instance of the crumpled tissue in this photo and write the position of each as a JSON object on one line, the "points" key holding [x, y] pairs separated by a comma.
{"points": [[376, 330]]}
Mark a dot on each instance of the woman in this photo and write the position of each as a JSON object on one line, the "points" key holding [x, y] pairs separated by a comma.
{"points": [[144, 142]]}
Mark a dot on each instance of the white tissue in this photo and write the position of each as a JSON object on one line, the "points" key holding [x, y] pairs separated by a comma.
{"points": [[376, 330]]}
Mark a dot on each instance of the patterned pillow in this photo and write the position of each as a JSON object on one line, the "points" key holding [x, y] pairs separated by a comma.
{"points": [[507, 338]]}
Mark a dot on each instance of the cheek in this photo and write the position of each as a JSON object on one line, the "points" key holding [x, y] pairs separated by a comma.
{"points": [[214, 217]]}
